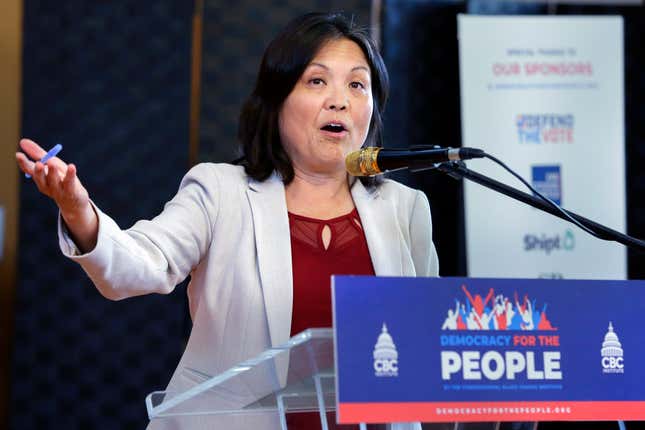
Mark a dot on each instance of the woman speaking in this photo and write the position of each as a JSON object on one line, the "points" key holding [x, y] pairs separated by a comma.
{"points": [[261, 239]]}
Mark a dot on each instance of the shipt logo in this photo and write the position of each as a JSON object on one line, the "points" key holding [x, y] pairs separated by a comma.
{"points": [[612, 353], [547, 180], [550, 243], [385, 355], [544, 128]]}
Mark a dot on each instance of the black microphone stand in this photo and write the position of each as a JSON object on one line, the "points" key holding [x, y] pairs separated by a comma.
{"points": [[458, 170]]}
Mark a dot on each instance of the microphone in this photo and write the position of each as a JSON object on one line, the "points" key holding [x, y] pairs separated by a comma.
{"points": [[374, 161]]}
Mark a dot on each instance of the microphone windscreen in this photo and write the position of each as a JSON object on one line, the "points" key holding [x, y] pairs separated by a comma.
{"points": [[363, 162]]}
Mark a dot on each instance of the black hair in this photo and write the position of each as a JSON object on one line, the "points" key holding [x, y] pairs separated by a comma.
{"points": [[284, 61]]}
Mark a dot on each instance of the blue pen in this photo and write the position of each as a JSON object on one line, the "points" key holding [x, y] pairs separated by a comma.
{"points": [[51, 153]]}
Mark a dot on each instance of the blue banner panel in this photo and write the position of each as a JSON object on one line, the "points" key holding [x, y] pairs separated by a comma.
{"points": [[466, 349]]}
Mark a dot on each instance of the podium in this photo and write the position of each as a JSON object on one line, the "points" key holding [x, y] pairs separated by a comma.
{"points": [[298, 376], [401, 353], [295, 377]]}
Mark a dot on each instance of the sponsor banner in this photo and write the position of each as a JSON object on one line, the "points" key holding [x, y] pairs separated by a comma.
{"points": [[545, 95], [468, 349]]}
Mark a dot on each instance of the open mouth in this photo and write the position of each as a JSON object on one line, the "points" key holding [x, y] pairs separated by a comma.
{"points": [[333, 127]]}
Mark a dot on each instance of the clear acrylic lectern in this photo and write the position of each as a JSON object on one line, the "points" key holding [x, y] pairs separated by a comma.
{"points": [[298, 376], [295, 377]]}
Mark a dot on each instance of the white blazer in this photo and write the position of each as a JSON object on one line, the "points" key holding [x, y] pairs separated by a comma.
{"points": [[231, 234]]}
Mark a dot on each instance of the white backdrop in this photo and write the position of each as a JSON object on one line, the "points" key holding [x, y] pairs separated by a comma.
{"points": [[545, 95]]}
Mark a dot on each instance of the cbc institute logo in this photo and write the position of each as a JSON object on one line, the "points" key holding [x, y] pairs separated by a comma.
{"points": [[612, 353], [385, 355]]}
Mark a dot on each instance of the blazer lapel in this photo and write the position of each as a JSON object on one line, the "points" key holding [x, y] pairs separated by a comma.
{"points": [[378, 218], [273, 245]]}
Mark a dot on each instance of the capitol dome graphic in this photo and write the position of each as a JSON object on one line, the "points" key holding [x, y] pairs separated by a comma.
{"points": [[612, 353], [611, 347], [385, 348]]}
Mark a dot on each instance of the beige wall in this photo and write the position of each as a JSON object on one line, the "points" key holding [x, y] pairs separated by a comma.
{"points": [[10, 96]]}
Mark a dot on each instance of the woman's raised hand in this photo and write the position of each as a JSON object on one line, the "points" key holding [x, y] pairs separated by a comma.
{"points": [[58, 181]]}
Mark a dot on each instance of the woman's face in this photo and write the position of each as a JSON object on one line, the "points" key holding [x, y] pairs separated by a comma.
{"points": [[328, 112]]}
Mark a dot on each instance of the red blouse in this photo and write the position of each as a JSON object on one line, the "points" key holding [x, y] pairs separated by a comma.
{"points": [[320, 248], [313, 264]]}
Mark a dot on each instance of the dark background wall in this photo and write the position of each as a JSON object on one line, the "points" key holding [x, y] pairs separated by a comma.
{"points": [[109, 81]]}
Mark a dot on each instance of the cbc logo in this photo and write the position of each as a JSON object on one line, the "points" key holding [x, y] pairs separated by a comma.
{"points": [[612, 353], [386, 357], [613, 363], [385, 367]]}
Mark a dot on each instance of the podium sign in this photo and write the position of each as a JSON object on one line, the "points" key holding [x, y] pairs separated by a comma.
{"points": [[466, 349]]}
